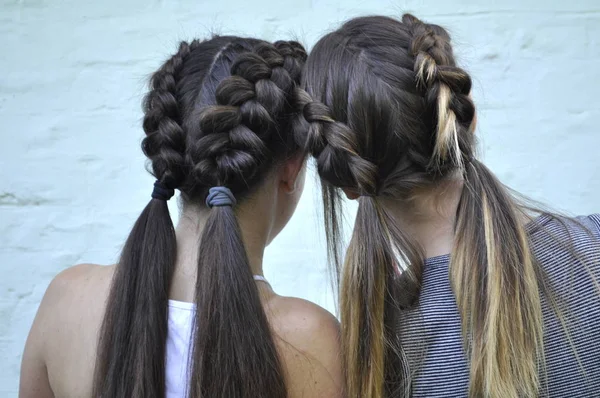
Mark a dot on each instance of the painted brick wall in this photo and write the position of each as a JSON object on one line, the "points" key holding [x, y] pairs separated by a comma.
{"points": [[72, 74]]}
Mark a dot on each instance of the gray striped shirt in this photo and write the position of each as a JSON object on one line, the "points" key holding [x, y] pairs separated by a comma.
{"points": [[431, 332]]}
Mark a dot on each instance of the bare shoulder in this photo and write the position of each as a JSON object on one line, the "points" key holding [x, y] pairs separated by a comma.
{"points": [[74, 295], [298, 318], [81, 277], [65, 322], [75, 285], [309, 340]]}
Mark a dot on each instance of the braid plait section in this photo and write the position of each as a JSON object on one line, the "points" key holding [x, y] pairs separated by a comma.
{"points": [[446, 89], [236, 134], [165, 141], [294, 57], [336, 149]]}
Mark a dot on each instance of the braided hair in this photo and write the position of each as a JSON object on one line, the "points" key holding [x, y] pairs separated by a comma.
{"points": [[218, 114], [387, 111]]}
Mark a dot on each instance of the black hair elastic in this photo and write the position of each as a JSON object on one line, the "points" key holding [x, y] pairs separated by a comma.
{"points": [[161, 192]]}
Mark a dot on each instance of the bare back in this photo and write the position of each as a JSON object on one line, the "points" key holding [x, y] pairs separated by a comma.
{"points": [[61, 349]]}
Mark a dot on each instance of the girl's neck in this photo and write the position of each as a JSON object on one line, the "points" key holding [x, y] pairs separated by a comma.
{"points": [[189, 232], [428, 216]]}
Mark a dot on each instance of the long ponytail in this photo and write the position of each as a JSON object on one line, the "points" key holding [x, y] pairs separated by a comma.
{"points": [[365, 277], [230, 360], [132, 338], [371, 297], [495, 281]]}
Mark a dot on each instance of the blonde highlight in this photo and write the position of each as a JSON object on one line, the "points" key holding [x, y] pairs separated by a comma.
{"points": [[446, 143], [502, 317], [365, 366]]}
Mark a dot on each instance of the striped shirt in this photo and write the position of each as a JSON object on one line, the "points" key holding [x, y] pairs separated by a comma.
{"points": [[431, 332]]}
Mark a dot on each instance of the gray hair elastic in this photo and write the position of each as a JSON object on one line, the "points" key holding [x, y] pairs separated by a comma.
{"points": [[220, 196]]}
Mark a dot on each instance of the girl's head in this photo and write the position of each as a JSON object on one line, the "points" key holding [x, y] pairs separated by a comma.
{"points": [[219, 113], [397, 111], [390, 115], [218, 123]]}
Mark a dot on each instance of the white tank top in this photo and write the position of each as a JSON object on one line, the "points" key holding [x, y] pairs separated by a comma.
{"points": [[181, 318]]}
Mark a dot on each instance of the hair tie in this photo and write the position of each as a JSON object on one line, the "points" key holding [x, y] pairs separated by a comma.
{"points": [[161, 192], [220, 196]]}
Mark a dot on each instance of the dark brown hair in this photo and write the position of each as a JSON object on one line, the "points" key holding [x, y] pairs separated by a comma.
{"points": [[218, 113], [390, 112]]}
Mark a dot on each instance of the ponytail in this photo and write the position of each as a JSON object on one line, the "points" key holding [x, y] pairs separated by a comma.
{"points": [[231, 360], [362, 302], [132, 339], [495, 280], [372, 293]]}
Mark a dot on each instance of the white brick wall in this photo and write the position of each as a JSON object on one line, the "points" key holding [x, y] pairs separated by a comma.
{"points": [[72, 74]]}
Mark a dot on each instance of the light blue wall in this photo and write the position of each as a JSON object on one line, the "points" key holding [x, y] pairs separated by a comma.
{"points": [[72, 176]]}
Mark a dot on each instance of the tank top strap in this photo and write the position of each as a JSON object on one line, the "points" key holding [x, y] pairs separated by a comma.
{"points": [[261, 279]]}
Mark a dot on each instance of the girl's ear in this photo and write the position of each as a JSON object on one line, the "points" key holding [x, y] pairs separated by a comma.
{"points": [[290, 171]]}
